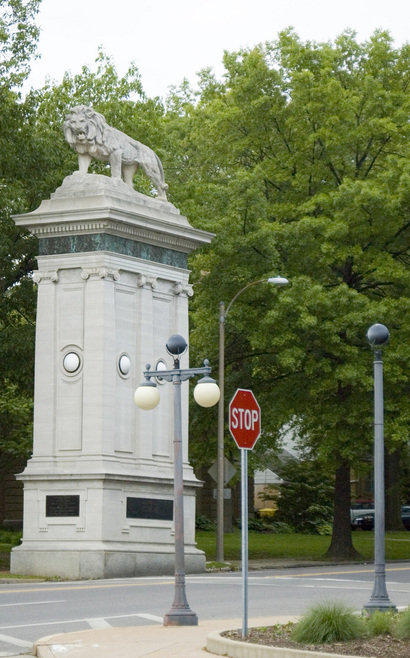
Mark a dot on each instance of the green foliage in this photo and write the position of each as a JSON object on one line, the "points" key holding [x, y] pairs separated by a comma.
{"points": [[256, 524], [281, 528], [203, 523], [380, 623], [265, 525], [305, 499], [16, 412], [328, 622], [402, 629], [10, 537], [334, 622], [18, 38], [299, 162], [20, 166]]}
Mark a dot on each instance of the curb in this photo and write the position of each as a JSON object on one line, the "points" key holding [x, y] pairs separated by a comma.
{"points": [[42, 651], [17, 581], [223, 646], [42, 648]]}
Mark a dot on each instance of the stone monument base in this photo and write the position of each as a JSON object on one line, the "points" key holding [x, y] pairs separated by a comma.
{"points": [[90, 563], [102, 525]]}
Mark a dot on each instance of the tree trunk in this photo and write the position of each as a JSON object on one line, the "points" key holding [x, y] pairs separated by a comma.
{"points": [[341, 546], [392, 485]]}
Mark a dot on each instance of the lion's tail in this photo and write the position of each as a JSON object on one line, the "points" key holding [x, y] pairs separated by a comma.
{"points": [[164, 186]]}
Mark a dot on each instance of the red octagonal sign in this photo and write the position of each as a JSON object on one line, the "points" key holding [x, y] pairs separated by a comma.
{"points": [[244, 419]]}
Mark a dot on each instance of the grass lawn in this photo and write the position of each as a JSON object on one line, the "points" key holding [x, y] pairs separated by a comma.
{"points": [[306, 547], [267, 546]]}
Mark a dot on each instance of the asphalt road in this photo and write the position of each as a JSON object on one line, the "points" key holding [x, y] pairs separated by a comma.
{"points": [[29, 611]]}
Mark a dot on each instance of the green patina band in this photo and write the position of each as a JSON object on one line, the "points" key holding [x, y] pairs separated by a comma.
{"points": [[75, 244]]}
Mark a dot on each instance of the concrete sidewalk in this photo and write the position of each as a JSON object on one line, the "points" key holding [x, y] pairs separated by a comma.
{"points": [[139, 641]]}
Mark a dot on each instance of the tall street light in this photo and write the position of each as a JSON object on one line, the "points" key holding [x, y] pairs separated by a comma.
{"points": [[206, 394], [277, 281], [378, 337]]}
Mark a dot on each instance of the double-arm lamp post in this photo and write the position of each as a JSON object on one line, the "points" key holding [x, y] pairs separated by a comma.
{"points": [[206, 394], [277, 281], [378, 337]]}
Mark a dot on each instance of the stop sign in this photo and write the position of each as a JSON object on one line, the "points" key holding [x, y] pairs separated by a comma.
{"points": [[244, 419]]}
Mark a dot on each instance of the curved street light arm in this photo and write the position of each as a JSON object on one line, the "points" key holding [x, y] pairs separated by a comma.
{"points": [[239, 293], [221, 413]]}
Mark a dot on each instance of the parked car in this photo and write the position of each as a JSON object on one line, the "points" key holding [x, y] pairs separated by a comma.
{"points": [[366, 520], [363, 522], [405, 516], [359, 508]]}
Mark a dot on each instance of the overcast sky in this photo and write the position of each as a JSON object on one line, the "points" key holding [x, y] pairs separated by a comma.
{"points": [[173, 39]]}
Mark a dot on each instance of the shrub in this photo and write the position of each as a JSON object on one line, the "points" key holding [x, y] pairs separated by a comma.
{"points": [[203, 523], [11, 537], [328, 622], [403, 625], [266, 526], [259, 525], [281, 528]]}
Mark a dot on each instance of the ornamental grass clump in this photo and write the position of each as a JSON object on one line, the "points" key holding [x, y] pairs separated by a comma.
{"points": [[403, 625], [381, 623], [328, 622]]}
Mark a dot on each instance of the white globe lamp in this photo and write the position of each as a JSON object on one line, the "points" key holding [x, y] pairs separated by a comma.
{"points": [[146, 396], [206, 392]]}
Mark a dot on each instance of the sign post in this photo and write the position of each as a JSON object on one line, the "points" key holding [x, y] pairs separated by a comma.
{"points": [[245, 427]]}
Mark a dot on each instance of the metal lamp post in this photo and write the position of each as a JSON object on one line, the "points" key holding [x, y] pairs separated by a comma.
{"points": [[378, 337], [146, 397], [278, 281]]}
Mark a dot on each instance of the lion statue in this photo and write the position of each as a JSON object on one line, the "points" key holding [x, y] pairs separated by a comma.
{"points": [[88, 133]]}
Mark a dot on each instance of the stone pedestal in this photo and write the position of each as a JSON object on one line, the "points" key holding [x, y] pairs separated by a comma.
{"points": [[112, 287]]}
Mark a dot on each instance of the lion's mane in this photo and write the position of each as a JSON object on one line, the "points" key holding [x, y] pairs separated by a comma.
{"points": [[96, 125]]}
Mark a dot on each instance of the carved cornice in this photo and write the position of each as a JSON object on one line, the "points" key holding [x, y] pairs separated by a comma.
{"points": [[49, 277], [101, 273], [144, 281], [182, 289], [156, 231]]}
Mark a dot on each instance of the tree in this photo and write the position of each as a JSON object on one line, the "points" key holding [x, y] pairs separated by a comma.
{"points": [[300, 162], [305, 499], [18, 40]]}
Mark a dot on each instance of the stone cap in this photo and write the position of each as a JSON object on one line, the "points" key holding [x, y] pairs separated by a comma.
{"points": [[93, 203], [89, 186]]}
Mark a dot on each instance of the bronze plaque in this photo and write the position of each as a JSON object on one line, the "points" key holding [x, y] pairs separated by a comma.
{"points": [[62, 505], [149, 508]]}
